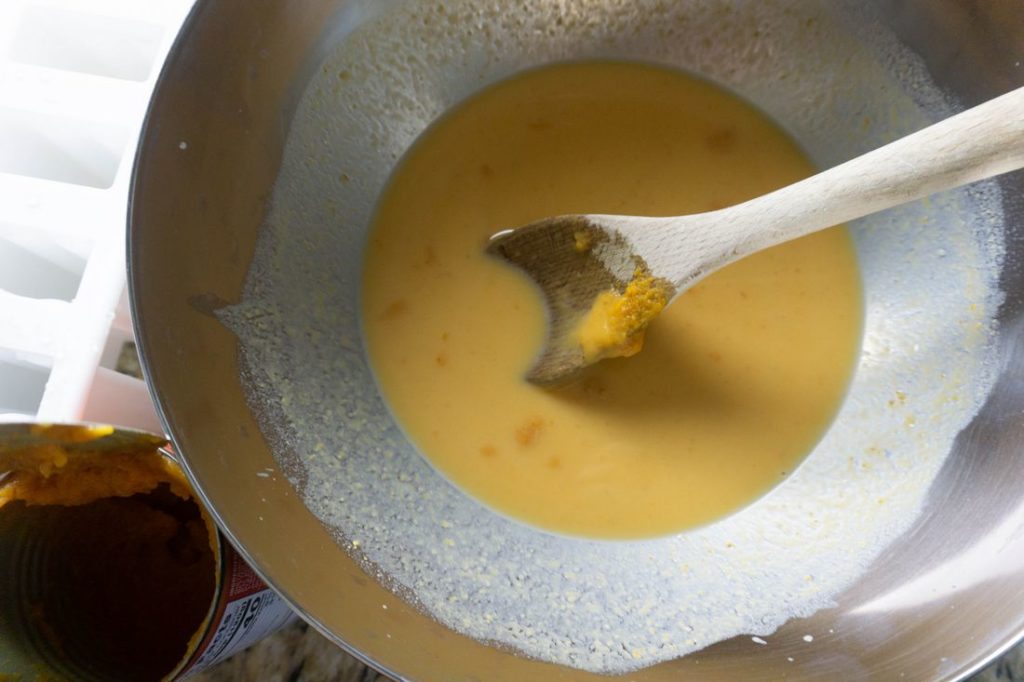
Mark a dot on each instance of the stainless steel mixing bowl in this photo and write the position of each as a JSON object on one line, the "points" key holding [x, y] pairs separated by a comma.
{"points": [[209, 157]]}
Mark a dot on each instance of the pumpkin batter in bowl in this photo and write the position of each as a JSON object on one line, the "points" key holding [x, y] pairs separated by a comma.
{"points": [[738, 379]]}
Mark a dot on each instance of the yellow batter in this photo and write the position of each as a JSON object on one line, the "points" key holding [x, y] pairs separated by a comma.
{"points": [[738, 378]]}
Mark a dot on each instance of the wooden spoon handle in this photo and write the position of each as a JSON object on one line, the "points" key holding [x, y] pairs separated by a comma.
{"points": [[978, 143]]}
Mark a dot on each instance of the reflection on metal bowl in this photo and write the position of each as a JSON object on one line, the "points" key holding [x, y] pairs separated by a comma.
{"points": [[892, 551]]}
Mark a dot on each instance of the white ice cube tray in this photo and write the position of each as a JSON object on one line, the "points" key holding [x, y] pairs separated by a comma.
{"points": [[75, 79]]}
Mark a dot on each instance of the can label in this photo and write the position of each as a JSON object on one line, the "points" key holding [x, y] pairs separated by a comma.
{"points": [[246, 612]]}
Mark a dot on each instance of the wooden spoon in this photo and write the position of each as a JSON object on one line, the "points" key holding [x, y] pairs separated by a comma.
{"points": [[621, 270]]}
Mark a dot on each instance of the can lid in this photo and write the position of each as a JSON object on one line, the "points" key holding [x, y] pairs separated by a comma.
{"points": [[18, 437], [73, 464]]}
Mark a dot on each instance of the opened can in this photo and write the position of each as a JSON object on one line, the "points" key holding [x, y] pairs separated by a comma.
{"points": [[110, 567]]}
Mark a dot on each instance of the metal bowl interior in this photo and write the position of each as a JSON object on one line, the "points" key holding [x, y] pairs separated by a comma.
{"points": [[940, 602]]}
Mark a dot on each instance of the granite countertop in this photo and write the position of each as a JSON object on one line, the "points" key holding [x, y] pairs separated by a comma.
{"points": [[299, 653]]}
